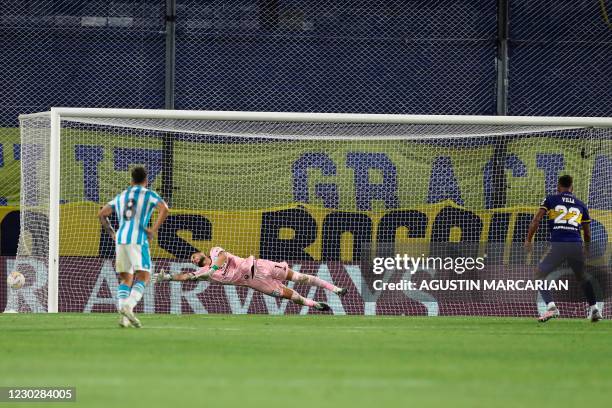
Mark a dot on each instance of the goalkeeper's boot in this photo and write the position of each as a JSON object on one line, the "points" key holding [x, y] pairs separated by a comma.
{"points": [[551, 313], [594, 314], [341, 291], [323, 307], [124, 322], [127, 311]]}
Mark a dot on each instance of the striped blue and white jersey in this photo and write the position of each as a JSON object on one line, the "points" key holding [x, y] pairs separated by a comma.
{"points": [[134, 207]]}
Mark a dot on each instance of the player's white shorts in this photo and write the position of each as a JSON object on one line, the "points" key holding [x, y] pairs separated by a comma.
{"points": [[132, 257]]}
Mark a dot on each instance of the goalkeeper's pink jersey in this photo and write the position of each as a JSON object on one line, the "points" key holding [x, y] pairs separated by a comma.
{"points": [[235, 270]]}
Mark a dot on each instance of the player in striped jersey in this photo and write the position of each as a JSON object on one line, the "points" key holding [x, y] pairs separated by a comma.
{"points": [[134, 207]]}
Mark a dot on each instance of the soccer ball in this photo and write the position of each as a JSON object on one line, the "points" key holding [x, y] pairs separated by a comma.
{"points": [[15, 280]]}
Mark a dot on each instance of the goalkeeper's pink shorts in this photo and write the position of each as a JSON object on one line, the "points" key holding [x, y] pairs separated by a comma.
{"points": [[268, 277]]}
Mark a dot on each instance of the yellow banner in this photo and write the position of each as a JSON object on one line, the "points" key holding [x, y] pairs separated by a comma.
{"points": [[245, 232], [317, 232]]}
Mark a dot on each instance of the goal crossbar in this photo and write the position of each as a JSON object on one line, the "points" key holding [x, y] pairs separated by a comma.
{"points": [[305, 117]]}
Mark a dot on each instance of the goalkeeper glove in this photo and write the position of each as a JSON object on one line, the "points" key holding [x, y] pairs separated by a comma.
{"points": [[161, 277]]}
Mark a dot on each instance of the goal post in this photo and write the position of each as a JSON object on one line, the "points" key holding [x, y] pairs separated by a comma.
{"points": [[54, 210], [345, 185]]}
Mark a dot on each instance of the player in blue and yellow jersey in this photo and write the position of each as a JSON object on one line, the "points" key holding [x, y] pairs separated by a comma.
{"points": [[134, 207], [567, 218]]}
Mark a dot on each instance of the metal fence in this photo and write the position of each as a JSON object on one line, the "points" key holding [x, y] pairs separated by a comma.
{"points": [[560, 57], [81, 53], [411, 56], [360, 56]]}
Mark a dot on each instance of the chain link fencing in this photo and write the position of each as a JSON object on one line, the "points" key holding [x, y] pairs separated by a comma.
{"points": [[560, 58], [419, 56]]}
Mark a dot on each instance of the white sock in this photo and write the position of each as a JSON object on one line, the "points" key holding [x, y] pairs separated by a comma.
{"points": [[134, 299], [551, 305], [122, 295], [136, 294]]}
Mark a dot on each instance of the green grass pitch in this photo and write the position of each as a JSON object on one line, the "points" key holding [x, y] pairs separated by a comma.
{"points": [[310, 361]]}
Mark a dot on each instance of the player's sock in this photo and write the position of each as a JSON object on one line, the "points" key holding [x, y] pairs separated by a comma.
{"points": [[546, 296], [301, 300], [123, 292], [589, 292], [314, 281], [551, 305], [136, 293]]}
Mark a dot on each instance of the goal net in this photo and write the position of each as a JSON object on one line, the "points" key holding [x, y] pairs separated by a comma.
{"points": [[415, 215]]}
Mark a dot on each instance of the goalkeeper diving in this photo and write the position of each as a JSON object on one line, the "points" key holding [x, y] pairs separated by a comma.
{"points": [[262, 275]]}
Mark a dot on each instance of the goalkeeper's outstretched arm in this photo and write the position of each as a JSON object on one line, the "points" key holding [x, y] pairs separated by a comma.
{"points": [[207, 268], [164, 276]]}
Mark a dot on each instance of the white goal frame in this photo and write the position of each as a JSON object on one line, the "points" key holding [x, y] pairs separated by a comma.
{"points": [[57, 113]]}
